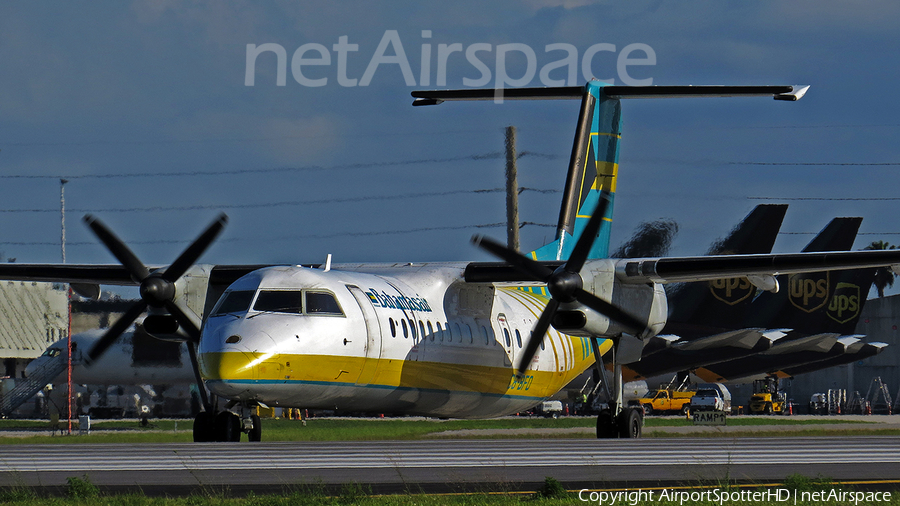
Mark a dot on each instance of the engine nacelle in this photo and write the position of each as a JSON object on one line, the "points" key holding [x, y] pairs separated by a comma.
{"points": [[646, 302], [164, 327]]}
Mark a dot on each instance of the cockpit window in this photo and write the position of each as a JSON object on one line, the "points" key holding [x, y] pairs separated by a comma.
{"points": [[237, 301], [322, 303], [51, 352], [280, 301]]}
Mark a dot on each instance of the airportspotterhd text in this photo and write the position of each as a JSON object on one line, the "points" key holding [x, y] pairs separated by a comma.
{"points": [[722, 496]]}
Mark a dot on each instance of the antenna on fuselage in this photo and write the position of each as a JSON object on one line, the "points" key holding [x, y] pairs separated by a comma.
{"points": [[327, 266]]}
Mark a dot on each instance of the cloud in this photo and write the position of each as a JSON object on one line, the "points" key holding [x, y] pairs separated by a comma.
{"points": [[274, 140]]}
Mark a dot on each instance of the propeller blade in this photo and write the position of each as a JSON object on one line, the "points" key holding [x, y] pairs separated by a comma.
{"points": [[583, 247], [118, 248], [522, 263], [184, 321], [610, 311], [537, 335], [201, 387], [116, 330], [195, 250]]}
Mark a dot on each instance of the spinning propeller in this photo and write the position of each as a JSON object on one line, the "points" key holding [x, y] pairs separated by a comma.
{"points": [[565, 284], [157, 289]]}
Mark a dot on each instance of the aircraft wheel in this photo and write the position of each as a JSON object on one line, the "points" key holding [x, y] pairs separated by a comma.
{"points": [[606, 426], [630, 423], [255, 433], [227, 427], [203, 427]]}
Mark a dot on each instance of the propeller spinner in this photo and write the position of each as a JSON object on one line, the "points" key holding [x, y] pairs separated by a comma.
{"points": [[565, 284]]}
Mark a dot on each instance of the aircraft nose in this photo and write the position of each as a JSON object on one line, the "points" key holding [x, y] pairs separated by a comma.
{"points": [[225, 356], [233, 365]]}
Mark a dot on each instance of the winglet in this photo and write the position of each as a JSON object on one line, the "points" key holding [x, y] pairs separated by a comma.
{"points": [[798, 91]]}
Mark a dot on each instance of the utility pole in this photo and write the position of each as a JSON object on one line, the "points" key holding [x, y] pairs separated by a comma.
{"points": [[62, 216], [69, 389], [512, 191]]}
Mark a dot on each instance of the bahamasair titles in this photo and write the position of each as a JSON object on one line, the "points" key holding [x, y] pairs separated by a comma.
{"points": [[464, 340]]}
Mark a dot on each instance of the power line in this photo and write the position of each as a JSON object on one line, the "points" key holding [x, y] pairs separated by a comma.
{"points": [[495, 155], [820, 164], [826, 198], [260, 205], [283, 238], [860, 233]]}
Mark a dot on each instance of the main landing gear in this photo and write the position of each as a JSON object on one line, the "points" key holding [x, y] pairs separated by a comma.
{"points": [[615, 421], [226, 426]]}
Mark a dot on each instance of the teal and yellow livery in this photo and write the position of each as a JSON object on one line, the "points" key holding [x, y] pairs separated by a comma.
{"points": [[458, 339]]}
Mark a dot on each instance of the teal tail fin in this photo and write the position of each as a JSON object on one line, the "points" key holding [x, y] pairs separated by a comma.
{"points": [[594, 164], [593, 168]]}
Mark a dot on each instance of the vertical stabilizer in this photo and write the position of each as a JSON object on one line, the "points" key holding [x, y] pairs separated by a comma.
{"points": [[594, 163], [593, 167]]}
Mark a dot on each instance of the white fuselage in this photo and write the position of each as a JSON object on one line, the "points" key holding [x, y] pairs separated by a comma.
{"points": [[384, 338]]}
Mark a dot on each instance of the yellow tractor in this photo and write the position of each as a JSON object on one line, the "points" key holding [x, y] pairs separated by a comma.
{"points": [[766, 398]]}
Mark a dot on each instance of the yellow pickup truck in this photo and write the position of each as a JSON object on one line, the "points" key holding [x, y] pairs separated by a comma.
{"points": [[664, 401]]}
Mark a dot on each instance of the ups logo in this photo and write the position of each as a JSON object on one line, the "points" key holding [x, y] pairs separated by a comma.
{"points": [[844, 305], [808, 292], [731, 290]]}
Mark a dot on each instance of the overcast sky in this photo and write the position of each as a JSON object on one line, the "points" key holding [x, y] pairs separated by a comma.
{"points": [[157, 99]]}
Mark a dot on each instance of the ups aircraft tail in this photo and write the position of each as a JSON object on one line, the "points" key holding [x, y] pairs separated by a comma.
{"points": [[818, 302], [594, 162], [699, 309]]}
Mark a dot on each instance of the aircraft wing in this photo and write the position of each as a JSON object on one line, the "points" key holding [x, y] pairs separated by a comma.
{"points": [[112, 274], [707, 268], [704, 268]]}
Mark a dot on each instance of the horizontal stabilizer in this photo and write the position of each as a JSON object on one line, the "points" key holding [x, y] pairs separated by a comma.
{"points": [[817, 342], [434, 97], [742, 338]]}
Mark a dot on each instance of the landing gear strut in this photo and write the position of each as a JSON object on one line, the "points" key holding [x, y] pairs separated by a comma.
{"points": [[616, 421]]}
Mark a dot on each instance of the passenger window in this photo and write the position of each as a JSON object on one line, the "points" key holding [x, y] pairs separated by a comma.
{"points": [[518, 339], [279, 301], [393, 328], [405, 331], [506, 336], [430, 331], [469, 333], [440, 331], [422, 329], [322, 303], [412, 328], [485, 334]]}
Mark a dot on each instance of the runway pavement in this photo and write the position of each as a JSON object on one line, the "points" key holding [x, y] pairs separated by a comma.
{"points": [[448, 465]]}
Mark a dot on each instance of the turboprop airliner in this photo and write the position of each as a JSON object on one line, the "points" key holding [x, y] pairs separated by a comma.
{"points": [[464, 340]]}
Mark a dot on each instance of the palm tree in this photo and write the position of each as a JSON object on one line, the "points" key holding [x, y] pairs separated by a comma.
{"points": [[884, 276]]}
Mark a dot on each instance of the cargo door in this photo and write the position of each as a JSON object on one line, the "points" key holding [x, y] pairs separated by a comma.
{"points": [[505, 339]]}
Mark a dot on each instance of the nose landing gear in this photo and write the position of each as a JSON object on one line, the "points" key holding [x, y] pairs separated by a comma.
{"points": [[227, 426]]}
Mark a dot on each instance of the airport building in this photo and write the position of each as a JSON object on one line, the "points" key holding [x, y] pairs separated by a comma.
{"points": [[32, 316], [879, 322]]}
